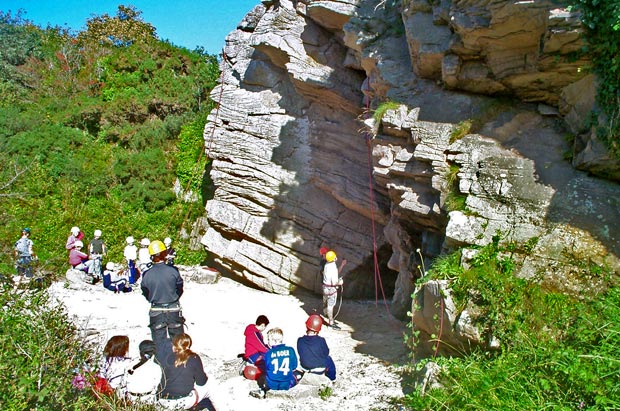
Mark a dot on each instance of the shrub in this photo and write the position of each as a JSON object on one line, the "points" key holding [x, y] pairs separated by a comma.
{"points": [[602, 22], [38, 352], [557, 351]]}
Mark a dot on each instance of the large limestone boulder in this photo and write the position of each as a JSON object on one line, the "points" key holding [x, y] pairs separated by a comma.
{"points": [[285, 153], [443, 328], [294, 167]]}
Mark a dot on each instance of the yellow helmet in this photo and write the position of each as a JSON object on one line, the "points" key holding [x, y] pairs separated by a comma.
{"points": [[156, 247], [330, 256]]}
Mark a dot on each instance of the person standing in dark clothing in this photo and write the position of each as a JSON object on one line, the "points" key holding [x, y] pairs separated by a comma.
{"points": [[162, 287]]}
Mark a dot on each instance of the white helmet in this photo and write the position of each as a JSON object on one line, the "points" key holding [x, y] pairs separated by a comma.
{"points": [[78, 243], [167, 241], [97, 233], [129, 240], [109, 266], [145, 242], [75, 230]]}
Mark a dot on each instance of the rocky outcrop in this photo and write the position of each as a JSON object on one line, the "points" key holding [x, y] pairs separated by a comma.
{"points": [[294, 167], [286, 155], [528, 49]]}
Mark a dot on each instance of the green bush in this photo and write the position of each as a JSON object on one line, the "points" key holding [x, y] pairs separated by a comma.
{"points": [[41, 355], [557, 351], [384, 108], [38, 352], [93, 130]]}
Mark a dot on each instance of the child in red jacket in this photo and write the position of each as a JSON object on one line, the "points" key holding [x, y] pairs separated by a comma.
{"points": [[255, 346]]}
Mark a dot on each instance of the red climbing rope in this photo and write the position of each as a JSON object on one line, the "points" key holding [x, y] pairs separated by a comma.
{"points": [[377, 271]]}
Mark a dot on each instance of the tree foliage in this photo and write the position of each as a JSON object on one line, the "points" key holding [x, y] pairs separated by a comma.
{"points": [[90, 129], [124, 29]]}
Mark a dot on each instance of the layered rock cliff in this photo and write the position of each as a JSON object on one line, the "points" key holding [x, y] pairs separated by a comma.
{"points": [[295, 166]]}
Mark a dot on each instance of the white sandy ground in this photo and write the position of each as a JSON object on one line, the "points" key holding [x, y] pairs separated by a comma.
{"points": [[365, 350]]}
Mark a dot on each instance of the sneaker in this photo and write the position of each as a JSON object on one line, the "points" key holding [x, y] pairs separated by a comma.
{"points": [[258, 394], [335, 326]]}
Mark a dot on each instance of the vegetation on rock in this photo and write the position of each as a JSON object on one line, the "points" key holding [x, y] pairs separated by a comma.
{"points": [[557, 351], [602, 22]]}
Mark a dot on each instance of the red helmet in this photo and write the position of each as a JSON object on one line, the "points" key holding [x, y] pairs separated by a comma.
{"points": [[251, 372], [314, 323]]}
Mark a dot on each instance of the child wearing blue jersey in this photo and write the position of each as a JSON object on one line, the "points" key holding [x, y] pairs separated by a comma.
{"points": [[280, 366]]}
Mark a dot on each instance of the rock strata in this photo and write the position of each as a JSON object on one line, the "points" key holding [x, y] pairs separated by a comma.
{"points": [[298, 164]]}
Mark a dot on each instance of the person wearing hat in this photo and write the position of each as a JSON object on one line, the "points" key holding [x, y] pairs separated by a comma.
{"points": [[144, 377], [313, 351], [97, 250], [80, 261], [131, 255], [144, 256], [331, 282], [74, 235], [172, 253], [24, 254], [322, 251], [162, 287], [115, 279]]}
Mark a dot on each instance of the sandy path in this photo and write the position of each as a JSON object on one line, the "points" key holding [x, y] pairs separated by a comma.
{"points": [[369, 342]]}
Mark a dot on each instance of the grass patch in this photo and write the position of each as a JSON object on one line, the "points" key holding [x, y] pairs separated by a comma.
{"points": [[557, 351], [455, 202], [383, 108], [325, 392], [461, 130], [41, 354]]}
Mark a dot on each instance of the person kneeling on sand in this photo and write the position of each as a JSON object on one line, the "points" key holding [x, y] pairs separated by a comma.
{"points": [[115, 279], [144, 377], [280, 366], [255, 347], [184, 382], [313, 350]]}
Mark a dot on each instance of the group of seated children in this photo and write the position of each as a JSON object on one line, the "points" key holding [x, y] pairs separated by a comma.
{"points": [[172, 376], [274, 365], [168, 373], [116, 277]]}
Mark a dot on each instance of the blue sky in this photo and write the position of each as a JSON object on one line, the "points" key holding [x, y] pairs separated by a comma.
{"points": [[187, 23]]}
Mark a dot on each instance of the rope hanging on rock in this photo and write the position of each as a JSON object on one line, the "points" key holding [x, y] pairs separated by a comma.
{"points": [[377, 271]]}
